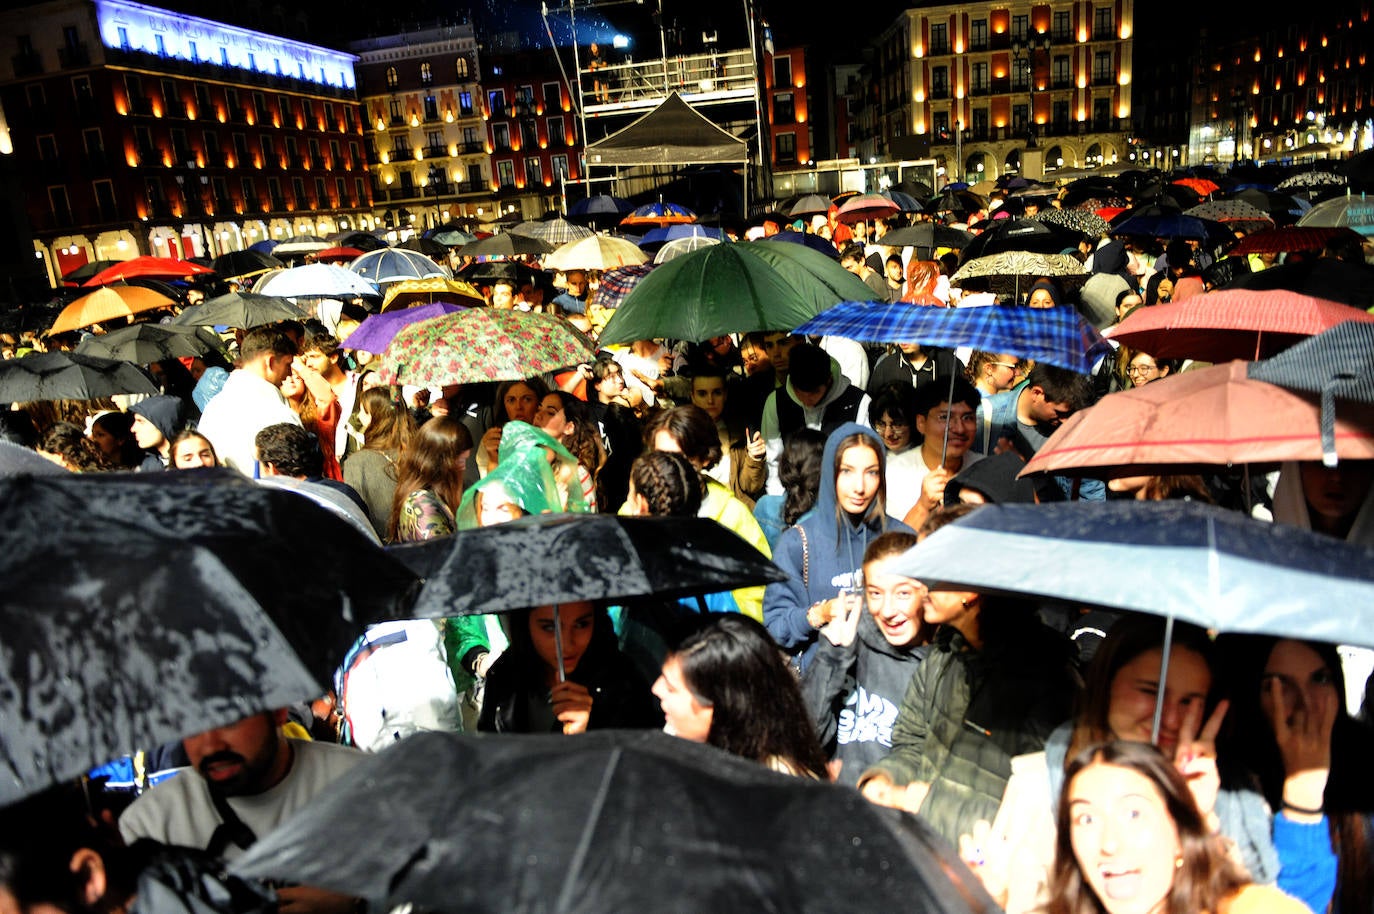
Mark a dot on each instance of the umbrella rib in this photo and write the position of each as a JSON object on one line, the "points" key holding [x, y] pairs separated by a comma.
{"points": [[566, 895]]}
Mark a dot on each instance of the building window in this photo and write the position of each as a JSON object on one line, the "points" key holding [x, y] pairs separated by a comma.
{"points": [[397, 119], [939, 82], [460, 68], [1060, 28], [782, 70], [359, 192], [978, 35], [1061, 72], [434, 140], [784, 108], [553, 97], [470, 141], [1102, 67], [979, 72], [284, 110], [505, 173], [534, 172], [61, 205], [560, 168], [1059, 113], [785, 148], [496, 103], [980, 123], [465, 104], [1020, 26], [348, 118], [939, 38], [529, 136], [1104, 25], [1020, 118], [475, 176], [557, 134], [1102, 113], [939, 125], [392, 78], [250, 193], [500, 134], [426, 74], [431, 108]]}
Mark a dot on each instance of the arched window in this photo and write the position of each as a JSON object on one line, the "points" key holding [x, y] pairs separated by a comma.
{"points": [[391, 77], [461, 67]]}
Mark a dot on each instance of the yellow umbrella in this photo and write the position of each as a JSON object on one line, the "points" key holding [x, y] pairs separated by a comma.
{"points": [[407, 292], [107, 304]]}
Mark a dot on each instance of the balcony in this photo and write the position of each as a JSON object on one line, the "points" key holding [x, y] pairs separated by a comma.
{"points": [[148, 156], [470, 149], [29, 64], [97, 161], [435, 152], [939, 92], [141, 105], [1062, 82], [374, 157], [405, 193], [432, 117], [1104, 34], [159, 209], [214, 158], [402, 153], [106, 212], [277, 203], [983, 89], [471, 187], [397, 121], [74, 55], [939, 49], [1104, 79], [238, 115]]}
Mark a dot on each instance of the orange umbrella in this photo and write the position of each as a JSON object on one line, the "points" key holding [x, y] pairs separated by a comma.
{"points": [[149, 268], [1215, 416], [108, 304], [1202, 186]]}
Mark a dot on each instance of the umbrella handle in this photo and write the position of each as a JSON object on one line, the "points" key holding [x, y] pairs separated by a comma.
{"points": [[558, 643], [949, 407], [1163, 677]]}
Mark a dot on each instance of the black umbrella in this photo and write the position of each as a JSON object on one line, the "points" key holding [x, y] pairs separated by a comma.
{"points": [[321, 580], [563, 558], [362, 241], [146, 343], [1320, 277], [84, 272], [118, 637], [245, 263], [1020, 235], [15, 459], [69, 376], [427, 246], [240, 309], [927, 235], [609, 821], [506, 245]]}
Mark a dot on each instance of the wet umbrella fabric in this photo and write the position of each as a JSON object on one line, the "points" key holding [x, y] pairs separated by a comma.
{"points": [[1011, 235], [108, 304], [1011, 274], [482, 344], [608, 821], [617, 283], [579, 557], [1079, 220], [805, 239], [928, 235], [145, 343], [377, 331], [396, 264], [316, 280], [1198, 563], [1290, 238], [245, 263], [507, 245], [811, 205], [595, 252], [69, 376], [659, 214], [86, 271], [16, 459], [243, 310], [1320, 277], [150, 268], [554, 231], [1352, 211], [405, 294]]}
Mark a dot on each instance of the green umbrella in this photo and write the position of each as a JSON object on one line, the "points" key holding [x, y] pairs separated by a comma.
{"points": [[733, 288]]}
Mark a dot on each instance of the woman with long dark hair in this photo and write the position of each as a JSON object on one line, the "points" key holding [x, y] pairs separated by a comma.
{"points": [[372, 470], [429, 481], [569, 420]]}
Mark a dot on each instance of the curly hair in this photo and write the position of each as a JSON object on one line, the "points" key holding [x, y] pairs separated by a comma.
{"points": [[584, 441], [669, 483], [68, 441]]}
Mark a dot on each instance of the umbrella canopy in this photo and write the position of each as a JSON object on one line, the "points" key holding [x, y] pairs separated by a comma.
{"points": [[1350, 211], [108, 304], [1011, 274], [407, 293], [928, 235], [316, 280], [1082, 221], [1234, 213], [659, 214], [482, 344], [396, 264], [451, 237], [608, 821], [149, 268], [1311, 179], [507, 245], [679, 246], [1174, 225], [1213, 416], [595, 252], [1009, 235], [616, 283], [554, 231], [733, 288], [663, 234], [1284, 207], [1290, 238], [69, 376], [376, 331], [1216, 568], [810, 205], [1319, 277], [906, 203], [242, 310], [600, 205], [86, 271], [956, 202], [339, 255], [598, 557], [1058, 336], [863, 207], [805, 239], [1201, 186], [363, 241], [1337, 364], [1230, 324], [245, 263], [144, 344], [300, 245]]}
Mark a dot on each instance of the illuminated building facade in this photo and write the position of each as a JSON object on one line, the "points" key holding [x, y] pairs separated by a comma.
{"points": [[993, 88], [532, 132], [150, 132], [426, 137], [787, 107]]}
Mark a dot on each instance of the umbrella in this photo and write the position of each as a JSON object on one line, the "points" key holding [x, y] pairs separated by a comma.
{"points": [[1311, 179], [806, 239], [906, 203], [659, 214], [265, 246], [554, 231], [86, 271], [245, 263], [144, 344], [956, 202], [608, 821], [149, 268], [316, 280], [596, 252], [1337, 364], [865, 207], [396, 264], [1230, 324], [363, 241], [663, 234], [1233, 213], [242, 310], [1008, 235], [679, 246], [1216, 568], [616, 283], [1352, 211], [482, 344], [141, 639], [928, 235], [1320, 277], [506, 245], [108, 304], [1290, 238], [1058, 336], [598, 557], [405, 294], [1213, 416], [16, 459], [600, 207], [1273, 202], [1174, 225], [339, 255], [300, 245], [1009, 273], [69, 376], [810, 205], [733, 288], [1082, 221], [377, 330], [1201, 186], [452, 237]]}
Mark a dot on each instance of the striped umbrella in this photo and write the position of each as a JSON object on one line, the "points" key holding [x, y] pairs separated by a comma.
{"points": [[554, 231]]}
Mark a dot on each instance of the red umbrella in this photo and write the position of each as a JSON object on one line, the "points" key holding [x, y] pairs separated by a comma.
{"points": [[1231, 324], [1291, 238], [149, 268], [1215, 416], [338, 255], [863, 207], [1202, 186]]}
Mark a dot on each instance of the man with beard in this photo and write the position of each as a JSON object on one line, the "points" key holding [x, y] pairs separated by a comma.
{"points": [[945, 423], [244, 780]]}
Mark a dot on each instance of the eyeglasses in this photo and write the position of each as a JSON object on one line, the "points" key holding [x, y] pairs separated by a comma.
{"points": [[1014, 366], [1142, 369], [889, 426]]}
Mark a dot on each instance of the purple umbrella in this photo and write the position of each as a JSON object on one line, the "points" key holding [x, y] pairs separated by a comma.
{"points": [[377, 330]]}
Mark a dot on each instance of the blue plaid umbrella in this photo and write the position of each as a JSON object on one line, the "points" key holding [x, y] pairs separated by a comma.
{"points": [[1058, 336], [617, 283]]}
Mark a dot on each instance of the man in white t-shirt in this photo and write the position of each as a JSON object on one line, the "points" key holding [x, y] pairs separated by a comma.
{"points": [[945, 424]]}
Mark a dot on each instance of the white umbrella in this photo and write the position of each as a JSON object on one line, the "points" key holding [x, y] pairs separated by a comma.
{"points": [[683, 246], [599, 252], [324, 280]]}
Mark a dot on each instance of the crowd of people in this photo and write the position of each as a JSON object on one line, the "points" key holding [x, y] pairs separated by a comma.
{"points": [[1023, 734]]}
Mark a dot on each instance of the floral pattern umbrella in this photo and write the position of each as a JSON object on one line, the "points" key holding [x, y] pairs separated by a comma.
{"points": [[482, 344], [1011, 273], [1079, 220]]}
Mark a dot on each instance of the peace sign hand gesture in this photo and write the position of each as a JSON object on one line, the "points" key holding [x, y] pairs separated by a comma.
{"points": [[1195, 757]]}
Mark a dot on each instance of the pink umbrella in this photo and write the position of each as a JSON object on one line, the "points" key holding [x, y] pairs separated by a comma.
{"points": [[865, 207]]}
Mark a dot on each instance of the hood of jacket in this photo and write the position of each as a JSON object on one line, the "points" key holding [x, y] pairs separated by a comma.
{"points": [[841, 542], [871, 637], [167, 414]]}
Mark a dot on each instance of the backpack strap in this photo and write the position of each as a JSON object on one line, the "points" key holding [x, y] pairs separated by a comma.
{"points": [[231, 830]]}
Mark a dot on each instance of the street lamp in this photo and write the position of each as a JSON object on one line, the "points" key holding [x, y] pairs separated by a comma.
{"points": [[437, 179], [1023, 69]]}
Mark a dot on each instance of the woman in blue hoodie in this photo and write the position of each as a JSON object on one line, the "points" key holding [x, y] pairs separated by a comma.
{"points": [[823, 554]]}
